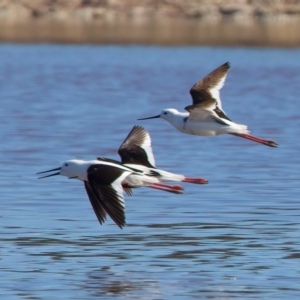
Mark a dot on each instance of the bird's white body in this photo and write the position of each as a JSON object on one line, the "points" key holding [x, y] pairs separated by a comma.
{"points": [[78, 169], [204, 124], [161, 174]]}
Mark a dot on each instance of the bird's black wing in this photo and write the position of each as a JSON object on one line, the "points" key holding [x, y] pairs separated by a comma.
{"points": [[210, 85], [96, 204], [136, 148], [106, 186]]}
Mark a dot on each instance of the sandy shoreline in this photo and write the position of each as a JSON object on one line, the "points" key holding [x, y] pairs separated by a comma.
{"points": [[158, 33], [176, 22]]}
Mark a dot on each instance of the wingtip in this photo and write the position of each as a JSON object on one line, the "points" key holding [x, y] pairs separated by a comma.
{"points": [[227, 65], [120, 226], [138, 127]]}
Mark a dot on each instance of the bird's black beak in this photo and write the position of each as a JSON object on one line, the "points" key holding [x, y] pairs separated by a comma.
{"points": [[158, 116], [57, 169]]}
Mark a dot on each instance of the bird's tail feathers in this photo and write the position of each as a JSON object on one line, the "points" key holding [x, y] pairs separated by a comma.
{"points": [[241, 129]]}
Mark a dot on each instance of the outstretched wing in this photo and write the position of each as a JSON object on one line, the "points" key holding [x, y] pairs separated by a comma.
{"points": [[106, 193], [136, 148], [96, 204], [202, 110], [211, 83]]}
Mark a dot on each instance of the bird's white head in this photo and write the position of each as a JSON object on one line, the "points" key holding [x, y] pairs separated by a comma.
{"points": [[167, 114], [72, 169]]}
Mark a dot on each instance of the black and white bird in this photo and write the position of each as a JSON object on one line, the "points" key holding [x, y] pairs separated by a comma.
{"points": [[104, 181], [205, 116], [136, 152]]}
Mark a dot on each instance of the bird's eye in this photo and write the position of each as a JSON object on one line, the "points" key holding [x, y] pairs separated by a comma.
{"points": [[66, 165], [165, 113]]}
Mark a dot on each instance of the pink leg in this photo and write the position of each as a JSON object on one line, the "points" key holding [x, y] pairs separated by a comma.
{"points": [[195, 180], [170, 186], [257, 139], [166, 189]]}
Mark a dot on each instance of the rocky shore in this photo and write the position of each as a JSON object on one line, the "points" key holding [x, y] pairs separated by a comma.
{"points": [[167, 22]]}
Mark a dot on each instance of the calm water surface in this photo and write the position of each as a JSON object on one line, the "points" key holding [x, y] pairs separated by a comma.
{"points": [[236, 238]]}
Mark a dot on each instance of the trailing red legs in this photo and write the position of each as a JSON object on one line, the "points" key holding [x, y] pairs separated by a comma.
{"points": [[256, 139], [175, 189], [195, 180]]}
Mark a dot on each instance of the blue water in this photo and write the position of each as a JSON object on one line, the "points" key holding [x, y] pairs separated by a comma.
{"points": [[236, 238]]}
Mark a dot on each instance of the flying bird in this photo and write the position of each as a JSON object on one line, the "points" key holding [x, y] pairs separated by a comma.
{"points": [[205, 117], [136, 152], [104, 181]]}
